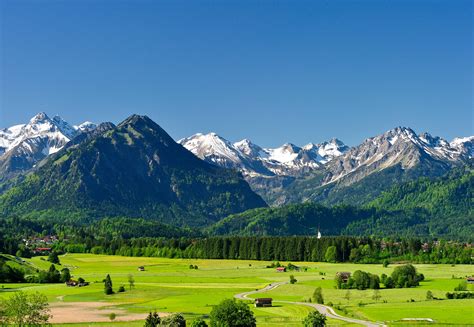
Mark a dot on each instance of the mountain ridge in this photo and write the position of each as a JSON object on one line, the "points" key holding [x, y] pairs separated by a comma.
{"points": [[133, 169]]}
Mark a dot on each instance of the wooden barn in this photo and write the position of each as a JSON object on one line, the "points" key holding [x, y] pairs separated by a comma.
{"points": [[263, 302]]}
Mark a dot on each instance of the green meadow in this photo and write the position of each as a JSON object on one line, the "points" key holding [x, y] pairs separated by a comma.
{"points": [[169, 285]]}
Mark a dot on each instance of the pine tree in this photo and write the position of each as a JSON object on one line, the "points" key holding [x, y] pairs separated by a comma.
{"points": [[152, 320], [108, 285]]}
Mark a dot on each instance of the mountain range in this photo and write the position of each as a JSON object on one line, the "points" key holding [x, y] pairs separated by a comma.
{"points": [[398, 182], [134, 169], [329, 172]]}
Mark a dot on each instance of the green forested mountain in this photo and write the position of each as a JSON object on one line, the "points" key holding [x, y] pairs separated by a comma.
{"points": [[450, 194], [134, 169], [293, 219], [425, 207]]}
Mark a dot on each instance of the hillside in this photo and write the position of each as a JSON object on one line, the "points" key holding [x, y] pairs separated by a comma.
{"points": [[134, 169], [439, 207]]}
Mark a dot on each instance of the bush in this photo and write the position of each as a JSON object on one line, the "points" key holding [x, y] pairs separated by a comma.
{"points": [[314, 319], [112, 316], [461, 295], [292, 279], [53, 258], [429, 295], [318, 295], [232, 313], [121, 289], [461, 287], [174, 320], [199, 323]]}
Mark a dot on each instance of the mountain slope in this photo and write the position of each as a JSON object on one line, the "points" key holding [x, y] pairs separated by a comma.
{"points": [[441, 207], [134, 169]]}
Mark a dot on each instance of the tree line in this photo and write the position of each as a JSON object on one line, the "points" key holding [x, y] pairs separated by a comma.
{"points": [[296, 248]]}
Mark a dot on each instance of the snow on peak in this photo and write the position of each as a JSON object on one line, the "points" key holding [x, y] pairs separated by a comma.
{"points": [[86, 126], [284, 154], [41, 134], [211, 146], [248, 148]]}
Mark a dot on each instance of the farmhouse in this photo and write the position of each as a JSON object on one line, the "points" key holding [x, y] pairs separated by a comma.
{"points": [[263, 302], [41, 250], [344, 275], [281, 269], [141, 268]]}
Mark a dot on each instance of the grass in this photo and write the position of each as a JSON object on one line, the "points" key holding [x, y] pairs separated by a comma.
{"points": [[168, 285]]}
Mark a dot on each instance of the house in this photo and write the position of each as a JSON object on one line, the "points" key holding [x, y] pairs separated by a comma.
{"points": [[344, 275], [83, 284], [263, 302], [42, 250], [71, 283], [281, 269], [141, 268], [470, 280]]}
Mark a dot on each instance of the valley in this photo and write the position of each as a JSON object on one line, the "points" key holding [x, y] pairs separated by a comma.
{"points": [[169, 285]]}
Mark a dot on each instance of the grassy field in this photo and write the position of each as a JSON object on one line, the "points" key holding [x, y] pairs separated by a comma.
{"points": [[168, 285]]}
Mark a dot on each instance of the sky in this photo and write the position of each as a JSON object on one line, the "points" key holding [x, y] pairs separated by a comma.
{"points": [[271, 71]]}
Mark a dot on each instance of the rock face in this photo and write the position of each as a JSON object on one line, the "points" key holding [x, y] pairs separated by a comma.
{"points": [[134, 169]]}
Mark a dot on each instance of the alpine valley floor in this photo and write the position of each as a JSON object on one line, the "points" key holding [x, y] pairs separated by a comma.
{"points": [[169, 285]]}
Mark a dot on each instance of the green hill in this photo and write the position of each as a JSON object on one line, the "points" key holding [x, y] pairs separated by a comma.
{"points": [[437, 207]]}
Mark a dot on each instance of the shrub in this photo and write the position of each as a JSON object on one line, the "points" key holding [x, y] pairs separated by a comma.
{"points": [[318, 295], [174, 320], [461, 295], [429, 295], [121, 289], [292, 279], [462, 286], [199, 323], [314, 319]]}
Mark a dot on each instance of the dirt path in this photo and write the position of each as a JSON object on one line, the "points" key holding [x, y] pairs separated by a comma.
{"points": [[74, 312], [324, 309]]}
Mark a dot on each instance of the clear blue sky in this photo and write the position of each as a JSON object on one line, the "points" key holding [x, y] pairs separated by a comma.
{"points": [[271, 71]]}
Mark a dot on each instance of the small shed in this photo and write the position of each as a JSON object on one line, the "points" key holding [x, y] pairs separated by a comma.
{"points": [[470, 280], [263, 302], [344, 275], [281, 269], [141, 268]]}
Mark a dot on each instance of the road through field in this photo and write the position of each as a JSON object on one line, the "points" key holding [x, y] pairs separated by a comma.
{"points": [[325, 310]]}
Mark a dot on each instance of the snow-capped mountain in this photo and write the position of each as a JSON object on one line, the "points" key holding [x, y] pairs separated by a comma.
{"points": [[331, 165], [22, 146], [400, 145], [253, 160], [86, 126]]}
